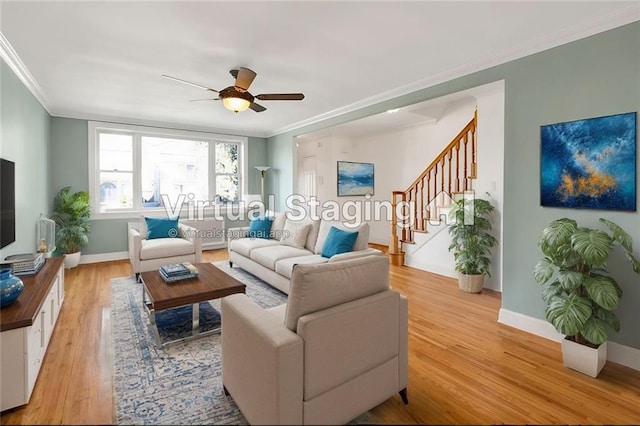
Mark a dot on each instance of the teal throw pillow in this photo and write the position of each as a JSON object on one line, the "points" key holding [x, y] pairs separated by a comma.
{"points": [[161, 227], [260, 227], [338, 241]]}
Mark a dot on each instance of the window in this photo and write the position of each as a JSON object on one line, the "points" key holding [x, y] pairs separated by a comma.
{"points": [[136, 169]]}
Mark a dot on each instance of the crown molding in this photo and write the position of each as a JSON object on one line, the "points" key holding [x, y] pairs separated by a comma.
{"points": [[603, 23], [9, 55], [157, 124]]}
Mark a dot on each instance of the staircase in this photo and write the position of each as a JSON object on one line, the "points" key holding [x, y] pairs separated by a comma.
{"points": [[449, 174]]}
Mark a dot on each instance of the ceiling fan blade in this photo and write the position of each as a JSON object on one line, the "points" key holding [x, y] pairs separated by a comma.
{"points": [[280, 97], [257, 108], [244, 78], [208, 99], [189, 83]]}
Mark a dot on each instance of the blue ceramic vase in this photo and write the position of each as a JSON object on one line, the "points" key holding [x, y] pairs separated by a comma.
{"points": [[10, 287]]}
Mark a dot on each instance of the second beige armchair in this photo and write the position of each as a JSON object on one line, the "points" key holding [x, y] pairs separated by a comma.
{"points": [[336, 349]]}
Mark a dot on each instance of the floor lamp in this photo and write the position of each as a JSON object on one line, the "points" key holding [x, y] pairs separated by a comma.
{"points": [[263, 170]]}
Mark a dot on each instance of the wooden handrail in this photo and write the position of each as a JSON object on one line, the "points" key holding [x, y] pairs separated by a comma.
{"points": [[470, 127], [441, 172]]}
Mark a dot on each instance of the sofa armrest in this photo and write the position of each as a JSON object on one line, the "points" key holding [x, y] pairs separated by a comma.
{"points": [[191, 234], [354, 254], [134, 245], [262, 363], [237, 233]]}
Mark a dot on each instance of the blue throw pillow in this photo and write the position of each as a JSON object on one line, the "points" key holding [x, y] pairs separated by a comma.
{"points": [[161, 227], [260, 227], [338, 241]]}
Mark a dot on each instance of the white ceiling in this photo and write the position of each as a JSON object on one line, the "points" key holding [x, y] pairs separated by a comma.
{"points": [[104, 60]]}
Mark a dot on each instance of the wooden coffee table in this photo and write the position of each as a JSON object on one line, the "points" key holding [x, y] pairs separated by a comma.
{"points": [[211, 283]]}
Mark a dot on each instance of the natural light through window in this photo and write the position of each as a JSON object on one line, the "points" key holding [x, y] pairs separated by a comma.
{"points": [[132, 167]]}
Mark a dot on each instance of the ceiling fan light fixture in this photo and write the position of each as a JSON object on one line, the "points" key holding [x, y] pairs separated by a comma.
{"points": [[236, 104], [235, 100]]}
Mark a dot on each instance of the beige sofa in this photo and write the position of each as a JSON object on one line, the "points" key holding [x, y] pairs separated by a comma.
{"points": [[336, 349], [273, 261], [149, 255]]}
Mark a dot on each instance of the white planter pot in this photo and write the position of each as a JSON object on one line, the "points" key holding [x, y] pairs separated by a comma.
{"points": [[471, 283], [71, 260], [584, 359]]}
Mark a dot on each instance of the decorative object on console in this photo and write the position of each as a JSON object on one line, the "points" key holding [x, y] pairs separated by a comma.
{"points": [[71, 213], [26, 264], [355, 178], [589, 163], [10, 287], [580, 294], [471, 242], [46, 235]]}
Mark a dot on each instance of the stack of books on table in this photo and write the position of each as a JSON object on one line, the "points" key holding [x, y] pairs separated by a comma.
{"points": [[178, 271], [26, 264]]}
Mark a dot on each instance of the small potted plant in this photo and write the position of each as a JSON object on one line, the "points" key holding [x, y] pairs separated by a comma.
{"points": [[471, 242], [580, 293], [71, 213]]}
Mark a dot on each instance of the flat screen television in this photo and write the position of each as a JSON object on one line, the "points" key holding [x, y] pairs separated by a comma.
{"points": [[7, 202]]}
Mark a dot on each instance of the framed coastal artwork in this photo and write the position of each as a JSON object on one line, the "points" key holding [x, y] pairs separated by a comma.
{"points": [[355, 178], [589, 163]]}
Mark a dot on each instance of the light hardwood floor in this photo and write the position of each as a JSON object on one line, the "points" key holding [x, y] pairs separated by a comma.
{"points": [[464, 367]]}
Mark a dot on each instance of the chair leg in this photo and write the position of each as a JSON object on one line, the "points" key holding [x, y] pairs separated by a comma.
{"points": [[137, 277], [230, 264], [403, 395]]}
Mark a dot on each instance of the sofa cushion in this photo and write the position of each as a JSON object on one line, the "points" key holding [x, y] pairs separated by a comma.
{"points": [[362, 242], [338, 241], [295, 233], [277, 226], [318, 287], [244, 246], [268, 256], [285, 266], [165, 247], [278, 311], [312, 237], [260, 227]]}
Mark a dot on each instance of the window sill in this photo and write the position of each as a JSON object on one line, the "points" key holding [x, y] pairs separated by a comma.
{"points": [[219, 210]]}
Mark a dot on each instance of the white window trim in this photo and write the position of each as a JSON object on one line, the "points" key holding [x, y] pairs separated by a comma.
{"points": [[97, 126]]}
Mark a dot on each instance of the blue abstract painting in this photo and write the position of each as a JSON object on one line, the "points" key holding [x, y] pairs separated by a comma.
{"points": [[589, 163], [355, 178]]}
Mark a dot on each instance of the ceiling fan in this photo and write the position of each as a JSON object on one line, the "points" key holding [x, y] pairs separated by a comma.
{"points": [[237, 97]]}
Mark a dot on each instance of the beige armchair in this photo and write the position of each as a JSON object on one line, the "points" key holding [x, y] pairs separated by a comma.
{"points": [[148, 255], [336, 349]]}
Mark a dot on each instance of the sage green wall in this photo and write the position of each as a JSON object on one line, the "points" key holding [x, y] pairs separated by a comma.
{"points": [[69, 166], [24, 139], [595, 76]]}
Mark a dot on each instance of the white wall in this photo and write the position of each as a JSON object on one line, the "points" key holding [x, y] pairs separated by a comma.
{"points": [[401, 155]]}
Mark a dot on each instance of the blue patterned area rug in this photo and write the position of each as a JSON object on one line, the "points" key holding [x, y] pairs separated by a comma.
{"points": [[180, 384]]}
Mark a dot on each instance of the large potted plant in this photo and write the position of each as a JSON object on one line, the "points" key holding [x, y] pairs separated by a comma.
{"points": [[580, 293], [71, 213], [471, 242]]}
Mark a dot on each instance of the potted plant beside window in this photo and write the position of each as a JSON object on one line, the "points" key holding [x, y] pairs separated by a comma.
{"points": [[580, 293], [471, 242], [71, 213]]}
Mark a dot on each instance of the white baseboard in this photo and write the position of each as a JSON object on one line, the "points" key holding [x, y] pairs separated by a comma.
{"points": [[121, 255], [103, 257], [621, 354], [436, 269]]}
